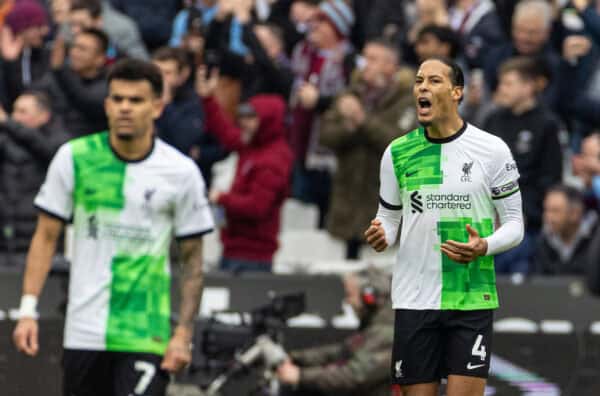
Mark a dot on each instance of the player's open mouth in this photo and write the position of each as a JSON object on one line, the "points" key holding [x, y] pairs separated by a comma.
{"points": [[423, 105]]}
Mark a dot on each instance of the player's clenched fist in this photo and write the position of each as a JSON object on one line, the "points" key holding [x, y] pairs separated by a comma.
{"points": [[375, 236], [25, 336]]}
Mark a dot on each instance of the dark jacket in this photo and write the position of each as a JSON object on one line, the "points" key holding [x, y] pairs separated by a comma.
{"points": [[482, 38], [358, 152], [182, 125], [549, 58], [551, 258], [261, 183], [266, 76], [533, 139], [79, 102], [25, 154], [12, 73], [153, 17], [359, 366]]}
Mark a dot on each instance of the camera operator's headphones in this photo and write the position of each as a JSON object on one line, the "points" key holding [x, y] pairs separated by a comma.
{"points": [[375, 287], [369, 296]]}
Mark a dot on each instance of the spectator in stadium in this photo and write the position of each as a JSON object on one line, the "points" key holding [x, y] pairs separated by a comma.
{"points": [[197, 14], [580, 80], [531, 131], [261, 182], [181, 123], [77, 88], [29, 137], [376, 108], [568, 231], [531, 27], [428, 12], [122, 31], [322, 64], [5, 8], [385, 19], [479, 27], [358, 365], [25, 58], [270, 70], [586, 166], [437, 41], [154, 18]]}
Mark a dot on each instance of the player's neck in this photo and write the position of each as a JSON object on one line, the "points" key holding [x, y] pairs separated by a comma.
{"points": [[444, 129], [134, 149]]}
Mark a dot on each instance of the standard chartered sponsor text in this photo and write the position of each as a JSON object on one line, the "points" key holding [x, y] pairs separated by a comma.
{"points": [[448, 201]]}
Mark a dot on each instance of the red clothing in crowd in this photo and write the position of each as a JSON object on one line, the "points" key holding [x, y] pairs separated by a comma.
{"points": [[261, 182]]}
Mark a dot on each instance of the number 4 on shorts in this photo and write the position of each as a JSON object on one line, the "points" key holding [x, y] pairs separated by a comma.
{"points": [[478, 349]]}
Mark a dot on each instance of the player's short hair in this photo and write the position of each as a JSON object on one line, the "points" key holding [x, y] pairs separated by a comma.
{"points": [[443, 34], [172, 54], [42, 100], [94, 7], [574, 196], [388, 45], [138, 70], [457, 77], [101, 38]]}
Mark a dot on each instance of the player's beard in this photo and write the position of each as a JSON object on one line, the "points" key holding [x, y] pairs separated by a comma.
{"points": [[425, 124]]}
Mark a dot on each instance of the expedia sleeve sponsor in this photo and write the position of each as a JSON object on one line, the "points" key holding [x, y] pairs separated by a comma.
{"points": [[448, 201], [505, 190]]}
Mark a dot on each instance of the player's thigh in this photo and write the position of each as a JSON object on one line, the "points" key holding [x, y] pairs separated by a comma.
{"points": [[431, 389], [138, 374], [85, 373], [461, 385], [418, 350], [469, 343]]}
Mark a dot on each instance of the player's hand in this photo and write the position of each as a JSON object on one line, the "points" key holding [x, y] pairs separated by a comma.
{"points": [[375, 236], [178, 354], [25, 336], [288, 373], [465, 252]]}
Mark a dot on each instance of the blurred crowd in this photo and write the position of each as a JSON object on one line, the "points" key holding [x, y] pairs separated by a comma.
{"points": [[308, 93]]}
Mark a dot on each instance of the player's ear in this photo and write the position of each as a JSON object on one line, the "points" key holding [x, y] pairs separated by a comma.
{"points": [[158, 107], [457, 93]]}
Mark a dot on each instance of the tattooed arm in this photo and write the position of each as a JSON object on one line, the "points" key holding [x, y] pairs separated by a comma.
{"points": [[179, 354]]}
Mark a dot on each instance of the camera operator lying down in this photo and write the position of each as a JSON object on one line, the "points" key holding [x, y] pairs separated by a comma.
{"points": [[360, 364]]}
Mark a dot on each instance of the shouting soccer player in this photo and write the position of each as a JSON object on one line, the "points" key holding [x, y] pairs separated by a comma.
{"points": [[446, 181], [127, 193]]}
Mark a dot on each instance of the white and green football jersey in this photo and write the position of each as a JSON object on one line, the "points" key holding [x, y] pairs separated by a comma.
{"points": [[124, 216], [440, 186]]}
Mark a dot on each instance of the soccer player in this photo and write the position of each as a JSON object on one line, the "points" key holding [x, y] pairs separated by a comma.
{"points": [[446, 181], [127, 193]]}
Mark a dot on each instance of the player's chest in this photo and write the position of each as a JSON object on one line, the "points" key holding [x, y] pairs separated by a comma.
{"points": [[138, 194], [450, 172]]}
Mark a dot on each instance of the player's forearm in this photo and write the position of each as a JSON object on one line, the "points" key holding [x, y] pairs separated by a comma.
{"points": [[512, 230], [191, 284], [39, 261], [390, 218]]}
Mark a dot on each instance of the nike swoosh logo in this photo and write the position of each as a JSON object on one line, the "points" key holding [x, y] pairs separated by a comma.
{"points": [[407, 174], [474, 366]]}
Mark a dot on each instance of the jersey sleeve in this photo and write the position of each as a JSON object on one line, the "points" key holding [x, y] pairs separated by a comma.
{"points": [[504, 175], [193, 216], [55, 197], [390, 196]]}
